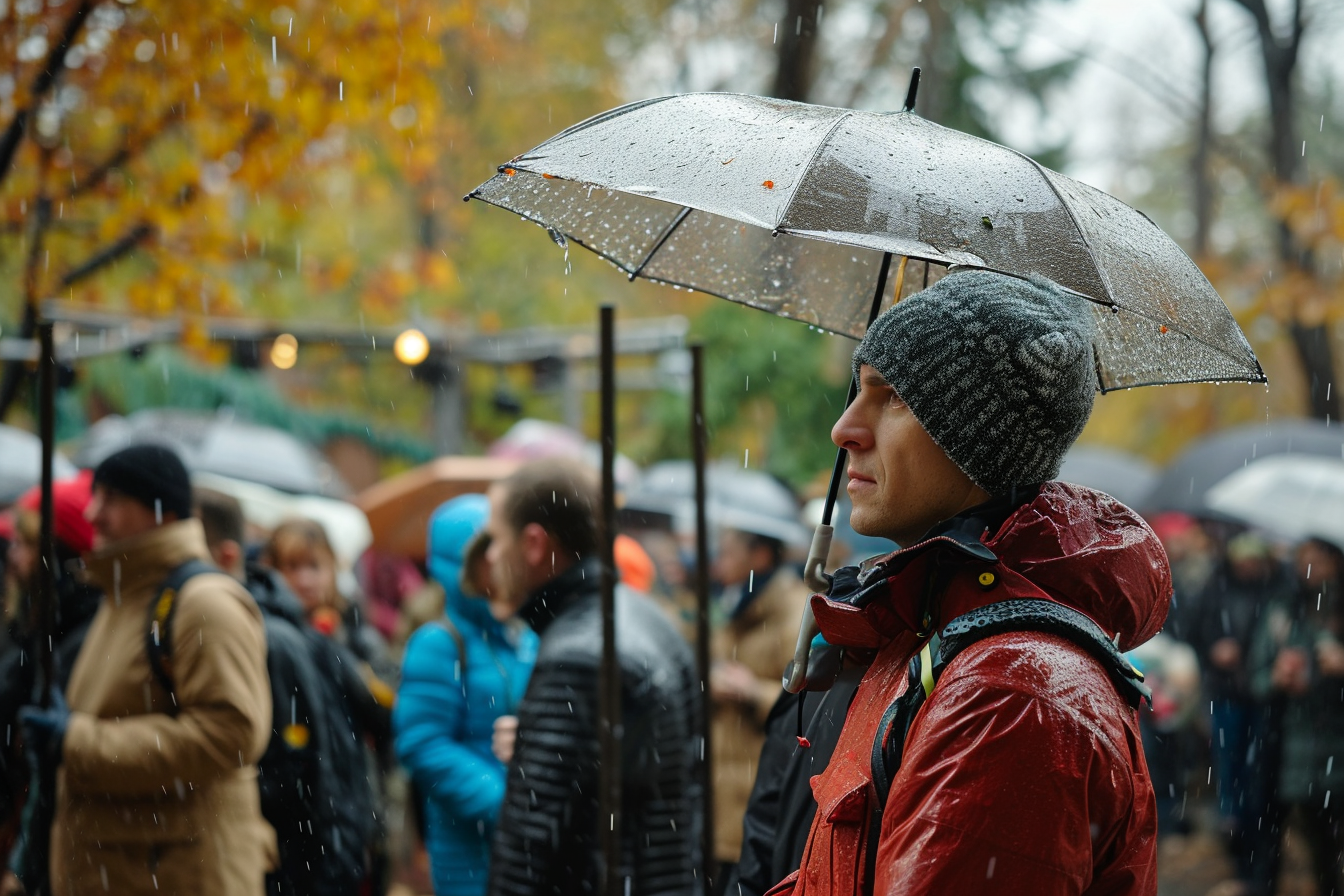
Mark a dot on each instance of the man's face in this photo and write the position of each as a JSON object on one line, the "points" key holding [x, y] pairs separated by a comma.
{"points": [[508, 568], [115, 516], [902, 484]]}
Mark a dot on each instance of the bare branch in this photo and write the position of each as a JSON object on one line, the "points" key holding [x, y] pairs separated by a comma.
{"points": [[46, 77]]}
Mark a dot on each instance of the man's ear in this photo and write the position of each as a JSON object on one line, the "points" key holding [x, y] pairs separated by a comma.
{"points": [[537, 546]]}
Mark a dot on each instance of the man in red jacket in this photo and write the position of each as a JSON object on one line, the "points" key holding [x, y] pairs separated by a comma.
{"points": [[1021, 771]]}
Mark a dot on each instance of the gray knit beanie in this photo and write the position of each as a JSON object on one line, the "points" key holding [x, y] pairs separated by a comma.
{"points": [[999, 371]]}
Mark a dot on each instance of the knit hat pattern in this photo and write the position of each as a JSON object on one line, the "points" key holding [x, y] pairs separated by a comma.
{"points": [[148, 473], [999, 371]]}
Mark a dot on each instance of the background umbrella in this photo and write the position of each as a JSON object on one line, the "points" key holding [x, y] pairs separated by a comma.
{"points": [[1184, 484], [21, 463], [748, 500], [1126, 478], [399, 508], [222, 445], [1295, 497]]}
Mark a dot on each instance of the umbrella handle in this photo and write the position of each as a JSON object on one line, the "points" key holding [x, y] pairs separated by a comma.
{"points": [[795, 674]]}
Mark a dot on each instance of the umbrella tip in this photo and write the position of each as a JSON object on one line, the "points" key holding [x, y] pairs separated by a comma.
{"points": [[912, 91]]}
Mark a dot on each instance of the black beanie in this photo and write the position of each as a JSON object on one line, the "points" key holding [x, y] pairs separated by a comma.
{"points": [[148, 473]]}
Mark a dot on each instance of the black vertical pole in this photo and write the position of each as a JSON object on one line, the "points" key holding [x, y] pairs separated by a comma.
{"points": [[46, 566], [698, 450], [609, 675]]}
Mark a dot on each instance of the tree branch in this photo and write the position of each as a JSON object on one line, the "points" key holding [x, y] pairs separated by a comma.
{"points": [[46, 77]]}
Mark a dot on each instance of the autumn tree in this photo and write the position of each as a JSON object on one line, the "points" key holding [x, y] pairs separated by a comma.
{"points": [[166, 151]]}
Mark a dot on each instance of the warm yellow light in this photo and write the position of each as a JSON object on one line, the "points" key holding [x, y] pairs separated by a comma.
{"points": [[284, 351], [411, 347]]}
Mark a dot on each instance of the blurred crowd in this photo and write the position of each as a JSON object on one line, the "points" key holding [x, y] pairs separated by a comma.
{"points": [[1247, 716], [209, 682], [214, 699]]}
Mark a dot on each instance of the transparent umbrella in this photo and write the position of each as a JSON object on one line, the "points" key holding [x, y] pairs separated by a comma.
{"points": [[791, 208]]}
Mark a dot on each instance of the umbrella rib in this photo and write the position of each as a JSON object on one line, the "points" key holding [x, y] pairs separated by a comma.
{"points": [[662, 238], [1101, 274], [821, 144]]}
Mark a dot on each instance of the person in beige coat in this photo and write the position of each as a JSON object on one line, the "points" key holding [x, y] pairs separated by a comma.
{"points": [[157, 791], [763, 601]]}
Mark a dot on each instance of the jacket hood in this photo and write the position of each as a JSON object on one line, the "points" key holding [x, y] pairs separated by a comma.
{"points": [[1069, 544], [451, 529], [273, 596]]}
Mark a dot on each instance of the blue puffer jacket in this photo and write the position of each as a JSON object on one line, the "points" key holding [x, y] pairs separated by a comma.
{"points": [[446, 709]]}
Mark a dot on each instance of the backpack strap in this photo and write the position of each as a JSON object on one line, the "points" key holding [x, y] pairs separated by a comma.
{"points": [[461, 642], [1028, 615], [159, 633]]}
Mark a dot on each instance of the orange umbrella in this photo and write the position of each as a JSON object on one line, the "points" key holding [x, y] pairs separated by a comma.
{"points": [[399, 508]]}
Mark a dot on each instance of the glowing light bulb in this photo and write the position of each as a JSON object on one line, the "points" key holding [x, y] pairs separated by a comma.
{"points": [[285, 351], [411, 347]]}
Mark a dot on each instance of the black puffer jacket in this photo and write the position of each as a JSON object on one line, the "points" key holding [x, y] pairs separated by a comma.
{"points": [[547, 838]]}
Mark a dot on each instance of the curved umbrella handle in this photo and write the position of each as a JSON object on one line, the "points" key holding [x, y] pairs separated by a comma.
{"points": [[795, 673]]}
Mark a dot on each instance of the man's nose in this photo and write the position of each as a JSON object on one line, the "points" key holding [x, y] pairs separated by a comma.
{"points": [[850, 432]]}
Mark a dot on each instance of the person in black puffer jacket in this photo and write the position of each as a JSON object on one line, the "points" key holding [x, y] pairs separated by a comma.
{"points": [[542, 555]]}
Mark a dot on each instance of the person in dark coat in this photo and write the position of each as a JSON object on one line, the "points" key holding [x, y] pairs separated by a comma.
{"points": [[1296, 665], [77, 601], [1021, 770], [310, 777], [544, 566]]}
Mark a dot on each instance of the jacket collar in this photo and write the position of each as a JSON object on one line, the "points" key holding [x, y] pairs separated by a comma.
{"points": [[552, 598], [869, 603], [142, 561]]}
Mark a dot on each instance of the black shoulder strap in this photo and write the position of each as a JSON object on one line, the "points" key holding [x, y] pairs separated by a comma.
{"points": [[993, 619], [159, 633]]}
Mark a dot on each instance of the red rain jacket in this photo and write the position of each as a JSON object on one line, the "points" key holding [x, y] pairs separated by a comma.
{"points": [[1023, 772]]}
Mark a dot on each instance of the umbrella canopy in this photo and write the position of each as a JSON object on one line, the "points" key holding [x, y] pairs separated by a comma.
{"points": [[790, 207], [1184, 484], [532, 439], [221, 445], [1295, 497], [1126, 478], [21, 463], [345, 524], [399, 508], [746, 500]]}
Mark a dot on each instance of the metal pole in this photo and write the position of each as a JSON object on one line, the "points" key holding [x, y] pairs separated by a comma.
{"points": [[698, 450], [45, 591], [609, 677], [795, 673]]}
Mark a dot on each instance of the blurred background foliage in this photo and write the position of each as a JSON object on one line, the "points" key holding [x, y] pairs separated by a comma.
{"points": [[306, 162]]}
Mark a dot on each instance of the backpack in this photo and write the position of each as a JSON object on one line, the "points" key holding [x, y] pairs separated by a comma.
{"points": [[1027, 615], [158, 634], [331, 858]]}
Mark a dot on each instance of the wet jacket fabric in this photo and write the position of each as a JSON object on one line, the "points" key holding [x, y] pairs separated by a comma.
{"points": [[547, 841], [447, 706], [152, 796], [779, 813], [760, 636], [1023, 772]]}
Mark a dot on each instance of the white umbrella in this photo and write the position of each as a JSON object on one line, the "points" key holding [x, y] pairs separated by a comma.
{"points": [[1290, 495], [346, 525]]}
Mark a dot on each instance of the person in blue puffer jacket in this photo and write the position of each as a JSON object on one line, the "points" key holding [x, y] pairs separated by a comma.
{"points": [[458, 675]]}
